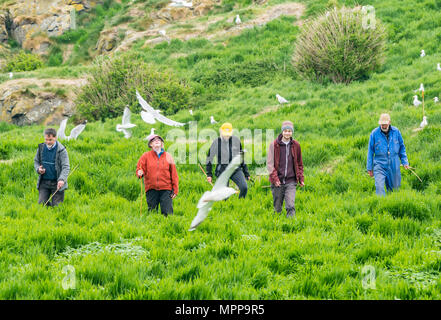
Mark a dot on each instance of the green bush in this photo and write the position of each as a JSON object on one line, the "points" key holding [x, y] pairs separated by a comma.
{"points": [[336, 47], [23, 62], [113, 83]]}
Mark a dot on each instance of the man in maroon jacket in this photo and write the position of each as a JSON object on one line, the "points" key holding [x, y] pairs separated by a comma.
{"points": [[285, 168]]}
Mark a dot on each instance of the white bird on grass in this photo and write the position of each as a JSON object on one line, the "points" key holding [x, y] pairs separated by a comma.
{"points": [[424, 122], [152, 132], [126, 125], [237, 20], [438, 67], [212, 121], [436, 100], [164, 35], [191, 111], [421, 88], [74, 133], [281, 99], [153, 115], [423, 54], [416, 102], [11, 74], [219, 192]]}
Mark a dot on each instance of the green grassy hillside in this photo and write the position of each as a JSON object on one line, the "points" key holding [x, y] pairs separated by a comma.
{"points": [[242, 250]]}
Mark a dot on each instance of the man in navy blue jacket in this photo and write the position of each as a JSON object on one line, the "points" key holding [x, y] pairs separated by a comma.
{"points": [[386, 150]]}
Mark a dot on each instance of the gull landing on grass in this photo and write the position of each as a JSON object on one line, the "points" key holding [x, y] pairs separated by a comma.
{"points": [[126, 125], [219, 192], [73, 134]]}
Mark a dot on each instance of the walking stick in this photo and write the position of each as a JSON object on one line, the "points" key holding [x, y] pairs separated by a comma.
{"points": [[204, 173], [415, 174], [50, 198], [140, 207]]}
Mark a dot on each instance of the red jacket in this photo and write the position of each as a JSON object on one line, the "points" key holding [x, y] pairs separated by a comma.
{"points": [[273, 160], [159, 173]]}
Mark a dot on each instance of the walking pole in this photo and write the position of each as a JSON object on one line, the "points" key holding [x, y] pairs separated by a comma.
{"points": [[140, 207], [204, 173], [50, 198], [415, 174]]}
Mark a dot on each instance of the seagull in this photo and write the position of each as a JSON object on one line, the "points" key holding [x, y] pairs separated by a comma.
{"points": [[237, 20], [164, 34], [423, 54], [212, 121], [219, 192], [74, 133], [416, 102], [421, 88], [125, 124], [281, 99], [436, 100], [153, 115], [152, 132], [181, 3], [438, 67], [11, 74], [191, 111], [424, 122]]}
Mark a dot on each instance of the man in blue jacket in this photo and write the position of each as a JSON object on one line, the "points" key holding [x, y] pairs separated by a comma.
{"points": [[386, 149]]}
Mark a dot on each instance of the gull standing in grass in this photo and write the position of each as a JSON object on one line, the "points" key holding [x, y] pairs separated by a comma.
{"points": [[126, 125], [219, 192], [212, 121], [181, 3], [191, 111], [281, 99], [416, 102], [164, 35], [424, 122], [237, 20], [11, 74], [436, 100], [73, 134], [423, 54], [438, 67], [153, 115]]}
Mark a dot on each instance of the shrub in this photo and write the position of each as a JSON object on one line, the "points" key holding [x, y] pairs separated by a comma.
{"points": [[335, 46], [23, 62], [113, 83]]}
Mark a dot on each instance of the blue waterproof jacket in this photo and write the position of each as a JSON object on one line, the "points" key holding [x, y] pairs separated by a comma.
{"points": [[384, 154]]}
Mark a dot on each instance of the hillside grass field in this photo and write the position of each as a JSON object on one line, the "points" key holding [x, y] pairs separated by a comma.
{"points": [[242, 250]]}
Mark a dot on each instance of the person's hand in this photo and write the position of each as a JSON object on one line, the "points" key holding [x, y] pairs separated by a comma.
{"points": [[248, 178], [209, 179], [140, 173], [302, 184], [60, 184], [371, 173], [173, 195], [41, 170], [406, 166], [277, 184]]}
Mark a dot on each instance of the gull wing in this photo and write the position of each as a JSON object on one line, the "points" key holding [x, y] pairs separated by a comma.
{"points": [[201, 215], [167, 121], [144, 103], [222, 181], [77, 130], [61, 131], [126, 116], [147, 117]]}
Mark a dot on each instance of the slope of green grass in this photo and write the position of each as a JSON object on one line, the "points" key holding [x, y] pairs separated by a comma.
{"points": [[242, 250]]}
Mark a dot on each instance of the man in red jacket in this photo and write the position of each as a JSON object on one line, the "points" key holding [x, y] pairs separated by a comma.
{"points": [[285, 168], [160, 176]]}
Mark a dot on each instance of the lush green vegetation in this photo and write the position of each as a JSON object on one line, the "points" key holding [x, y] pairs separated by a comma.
{"points": [[242, 250]]}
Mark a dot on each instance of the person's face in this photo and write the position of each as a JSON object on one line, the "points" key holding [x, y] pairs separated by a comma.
{"points": [[384, 127], [287, 134], [156, 144], [50, 140]]}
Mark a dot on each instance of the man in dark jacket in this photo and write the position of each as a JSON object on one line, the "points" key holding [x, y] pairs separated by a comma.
{"points": [[225, 148], [52, 165], [285, 168]]}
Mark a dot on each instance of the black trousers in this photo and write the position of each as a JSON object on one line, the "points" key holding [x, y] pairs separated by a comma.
{"points": [[162, 198], [46, 189]]}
